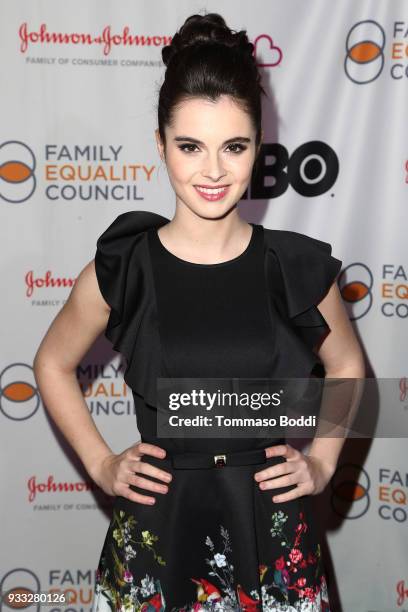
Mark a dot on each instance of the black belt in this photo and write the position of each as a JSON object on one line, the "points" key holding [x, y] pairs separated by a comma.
{"points": [[208, 460]]}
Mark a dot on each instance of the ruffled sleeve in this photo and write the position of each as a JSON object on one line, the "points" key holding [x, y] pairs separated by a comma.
{"points": [[124, 277], [301, 270]]}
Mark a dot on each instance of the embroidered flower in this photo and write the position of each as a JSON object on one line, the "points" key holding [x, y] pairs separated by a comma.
{"points": [[220, 560], [130, 552], [148, 538], [278, 521], [127, 576], [118, 537], [295, 555], [147, 586], [309, 592]]}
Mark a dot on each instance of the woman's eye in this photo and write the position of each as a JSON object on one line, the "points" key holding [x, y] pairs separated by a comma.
{"points": [[183, 147], [237, 144], [186, 147]]}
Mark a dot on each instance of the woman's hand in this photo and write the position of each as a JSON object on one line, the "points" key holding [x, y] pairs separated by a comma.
{"points": [[310, 473], [115, 473]]}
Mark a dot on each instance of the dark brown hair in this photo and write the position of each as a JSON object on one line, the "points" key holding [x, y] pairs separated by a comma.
{"points": [[206, 60]]}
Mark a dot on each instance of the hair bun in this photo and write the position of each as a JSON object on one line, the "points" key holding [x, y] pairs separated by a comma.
{"points": [[210, 29]]}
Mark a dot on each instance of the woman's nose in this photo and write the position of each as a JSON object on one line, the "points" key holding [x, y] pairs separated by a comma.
{"points": [[213, 168]]}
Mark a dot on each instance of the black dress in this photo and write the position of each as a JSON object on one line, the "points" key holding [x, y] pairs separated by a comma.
{"points": [[214, 541]]}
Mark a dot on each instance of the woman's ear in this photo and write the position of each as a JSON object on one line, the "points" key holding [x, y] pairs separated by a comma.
{"points": [[159, 143]]}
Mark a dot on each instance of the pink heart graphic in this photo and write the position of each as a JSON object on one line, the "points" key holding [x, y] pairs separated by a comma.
{"points": [[272, 50]]}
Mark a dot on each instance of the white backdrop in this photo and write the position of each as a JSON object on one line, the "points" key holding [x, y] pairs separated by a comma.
{"points": [[79, 95]]}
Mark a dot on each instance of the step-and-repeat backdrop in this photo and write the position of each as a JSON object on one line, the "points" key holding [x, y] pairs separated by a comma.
{"points": [[79, 85]]}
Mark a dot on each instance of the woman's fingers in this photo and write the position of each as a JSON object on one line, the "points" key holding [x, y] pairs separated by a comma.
{"points": [[145, 467], [125, 491], [299, 491], [291, 472], [283, 481], [137, 464], [145, 483], [275, 470], [145, 448], [284, 450]]}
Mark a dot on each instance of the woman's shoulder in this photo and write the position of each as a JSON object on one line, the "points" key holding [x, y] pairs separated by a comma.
{"points": [[119, 243], [121, 257], [300, 254], [290, 238], [128, 225], [305, 264], [301, 270]]}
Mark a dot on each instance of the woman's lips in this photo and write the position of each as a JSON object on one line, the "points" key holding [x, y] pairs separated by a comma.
{"points": [[212, 195]]}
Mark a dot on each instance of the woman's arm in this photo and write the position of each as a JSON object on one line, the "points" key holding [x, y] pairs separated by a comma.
{"points": [[342, 357], [72, 332]]}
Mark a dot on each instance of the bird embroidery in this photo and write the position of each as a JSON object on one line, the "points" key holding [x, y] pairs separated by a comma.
{"points": [[206, 591]]}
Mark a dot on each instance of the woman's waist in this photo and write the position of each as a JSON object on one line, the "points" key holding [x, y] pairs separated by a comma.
{"points": [[221, 453], [211, 445]]}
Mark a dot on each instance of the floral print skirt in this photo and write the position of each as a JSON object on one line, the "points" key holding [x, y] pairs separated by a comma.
{"points": [[214, 541]]}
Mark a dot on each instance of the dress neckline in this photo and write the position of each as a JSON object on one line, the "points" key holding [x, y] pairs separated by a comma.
{"points": [[174, 257]]}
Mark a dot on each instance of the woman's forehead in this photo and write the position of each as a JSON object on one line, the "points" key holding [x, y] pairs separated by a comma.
{"points": [[202, 118]]}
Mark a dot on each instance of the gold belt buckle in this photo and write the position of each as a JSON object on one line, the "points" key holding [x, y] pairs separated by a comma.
{"points": [[220, 460]]}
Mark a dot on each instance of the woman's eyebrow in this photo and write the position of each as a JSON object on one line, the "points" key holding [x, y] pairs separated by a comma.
{"points": [[199, 142]]}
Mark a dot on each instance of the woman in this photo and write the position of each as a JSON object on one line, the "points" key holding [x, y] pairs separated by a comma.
{"points": [[204, 295]]}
